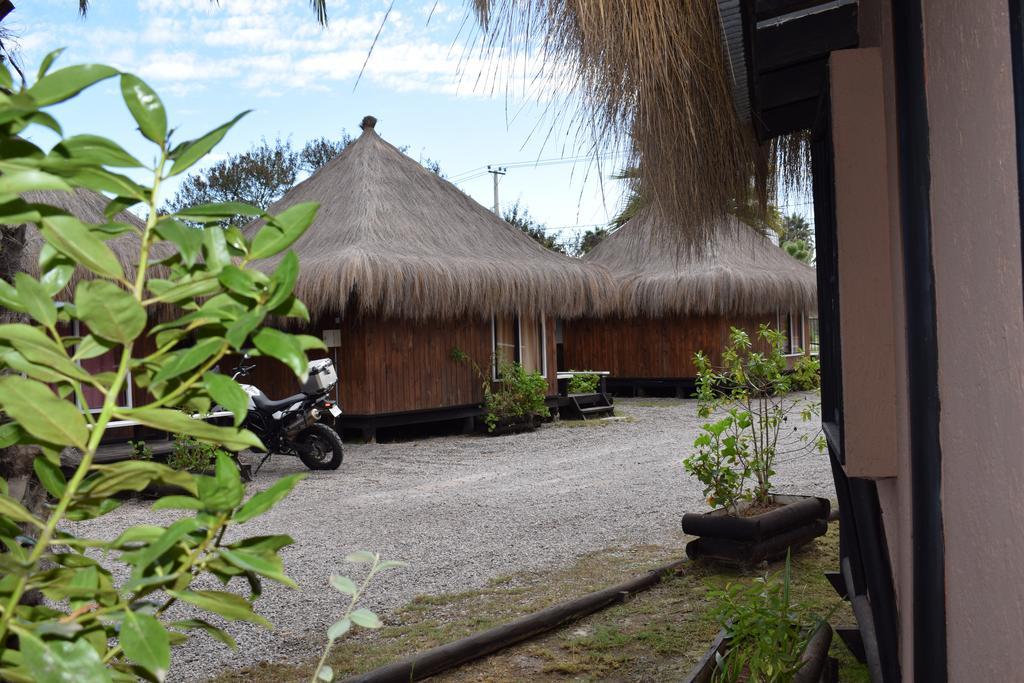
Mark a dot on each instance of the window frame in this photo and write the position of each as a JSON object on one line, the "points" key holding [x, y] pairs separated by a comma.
{"points": [[518, 344]]}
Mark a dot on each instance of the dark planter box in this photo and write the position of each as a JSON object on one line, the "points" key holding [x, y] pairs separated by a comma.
{"points": [[511, 425], [815, 668], [767, 536]]}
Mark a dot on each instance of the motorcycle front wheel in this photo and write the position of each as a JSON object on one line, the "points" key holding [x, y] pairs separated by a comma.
{"points": [[319, 447]]}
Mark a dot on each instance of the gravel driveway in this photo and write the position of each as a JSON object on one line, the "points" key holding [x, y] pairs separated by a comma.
{"points": [[462, 510]]}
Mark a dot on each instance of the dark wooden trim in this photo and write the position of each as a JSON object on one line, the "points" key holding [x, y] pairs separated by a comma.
{"points": [[795, 84], [788, 118], [805, 39], [769, 9], [928, 561], [1017, 55]]}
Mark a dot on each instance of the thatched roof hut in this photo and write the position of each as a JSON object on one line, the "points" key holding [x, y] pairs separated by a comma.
{"points": [[737, 273], [673, 302], [399, 241]]}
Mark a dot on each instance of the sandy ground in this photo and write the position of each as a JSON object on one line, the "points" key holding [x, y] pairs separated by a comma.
{"points": [[462, 510]]}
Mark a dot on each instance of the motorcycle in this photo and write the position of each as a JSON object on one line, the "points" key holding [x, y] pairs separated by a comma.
{"points": [[293, 425]]}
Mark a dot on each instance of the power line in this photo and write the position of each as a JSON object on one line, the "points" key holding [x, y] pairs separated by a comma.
{"points": [[554, 161]]}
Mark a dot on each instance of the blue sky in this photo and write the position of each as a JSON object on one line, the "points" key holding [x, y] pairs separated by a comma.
{"points": [[427, 88]]}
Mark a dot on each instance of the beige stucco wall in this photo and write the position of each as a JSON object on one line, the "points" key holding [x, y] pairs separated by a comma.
{"points": [[977, 260]]}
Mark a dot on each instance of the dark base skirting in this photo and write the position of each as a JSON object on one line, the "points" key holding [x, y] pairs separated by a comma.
{"points": [[684, 387]]}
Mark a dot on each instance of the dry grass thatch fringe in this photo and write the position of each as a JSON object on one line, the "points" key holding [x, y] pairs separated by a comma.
{"points": [[739, 272], [653, 77], [399, 241]]}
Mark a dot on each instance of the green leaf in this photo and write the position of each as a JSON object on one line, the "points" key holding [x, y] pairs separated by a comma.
{"points": [[215, 249], [180, 362], [283, 281], [68, 82], [176, 422], [102, 180], [10, 434], [325, 673], [227, 605], [9, 297], [345, 585], [228, 394], [178, 503], [285, 348], [56, 269], [36, 299], [91, 346], [73, 237], [60, 661], [146, 108], [146, 555], [31, 179], [239, 331], [239, 281], [282, 230], [391, 564], [41, 414], [210, 213], [265, 500], [12, 509], [146, 643], [36, 346], [188, 153], [109, 311], [365, 618], [50, 476], [97, 150], [339, 628], [188, 240], [271, 567], [213, 631], [361, 557], [134, 475], [48, 61]]}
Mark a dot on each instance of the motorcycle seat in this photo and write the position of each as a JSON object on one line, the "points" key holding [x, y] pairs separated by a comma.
{"points": [[266, 405]]}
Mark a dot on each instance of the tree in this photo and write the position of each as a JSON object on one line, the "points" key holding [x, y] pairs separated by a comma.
{"points": [[317, 152], [799, 250], [796, 228], [319, 6], [258, 177], [590, 239], [519, 216]]}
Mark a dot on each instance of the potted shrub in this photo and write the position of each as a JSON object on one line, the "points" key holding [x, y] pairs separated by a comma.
{"points": [[513, 403], [764, 637], [735, 455]]}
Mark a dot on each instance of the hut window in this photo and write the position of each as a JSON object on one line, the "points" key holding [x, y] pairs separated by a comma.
{"points": [[792, 327], [532, 345], [521, 340], [105, 363]]}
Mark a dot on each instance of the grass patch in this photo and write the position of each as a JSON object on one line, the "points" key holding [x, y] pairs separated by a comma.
{"points": [[658, 635]]}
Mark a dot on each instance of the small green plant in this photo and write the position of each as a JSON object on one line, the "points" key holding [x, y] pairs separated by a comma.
{"points": [[751, 387], [767, 633], [806, 374], [518, 393], [583, 383], [140, 451], [353, 615], [191, 455]]}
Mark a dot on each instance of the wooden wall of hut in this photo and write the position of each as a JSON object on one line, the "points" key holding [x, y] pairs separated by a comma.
{"points": [[652, 348], [395, 366]]}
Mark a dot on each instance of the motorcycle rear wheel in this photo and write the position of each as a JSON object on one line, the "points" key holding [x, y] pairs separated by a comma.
{"points": [[319, 447]]}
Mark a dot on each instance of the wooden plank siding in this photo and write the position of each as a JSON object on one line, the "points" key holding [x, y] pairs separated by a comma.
{"points": [[395, 366], [650, 348]]}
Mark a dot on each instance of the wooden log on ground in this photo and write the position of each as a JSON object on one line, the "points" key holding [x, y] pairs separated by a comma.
{"points": [[444, 657]]}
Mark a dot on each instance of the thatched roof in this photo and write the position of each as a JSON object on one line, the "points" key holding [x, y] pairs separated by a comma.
{"points": [[655, 78], [738, 272], [407, 243], [88, 207]]}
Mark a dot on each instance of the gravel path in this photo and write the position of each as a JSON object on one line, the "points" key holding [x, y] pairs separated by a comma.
{"points": [[462, 510]]}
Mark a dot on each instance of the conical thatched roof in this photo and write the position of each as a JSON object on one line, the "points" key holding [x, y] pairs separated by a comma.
{"points": [[407, 243], [88, 207], [738, 272]]}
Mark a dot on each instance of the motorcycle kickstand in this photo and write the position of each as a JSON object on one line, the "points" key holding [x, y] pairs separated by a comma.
{"points": [[259, 466]]}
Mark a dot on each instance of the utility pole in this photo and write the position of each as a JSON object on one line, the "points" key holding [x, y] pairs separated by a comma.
{"points": [[496, 171]]}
